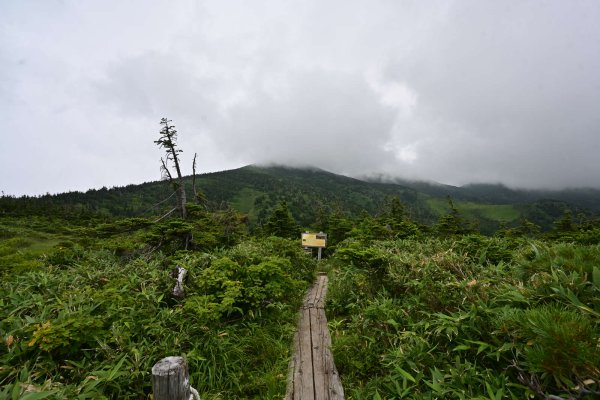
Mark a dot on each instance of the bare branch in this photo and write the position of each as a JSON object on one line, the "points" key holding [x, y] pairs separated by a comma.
{"points": [[165, 170], [194, 177], [532, 381], [166, 215]]}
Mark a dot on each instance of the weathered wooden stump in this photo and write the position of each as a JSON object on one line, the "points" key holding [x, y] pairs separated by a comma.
{"points": [[171, 379], [178, 290]]}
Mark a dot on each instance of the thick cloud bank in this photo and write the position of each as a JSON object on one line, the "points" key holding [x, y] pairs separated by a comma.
{"points": [[456, 92]]}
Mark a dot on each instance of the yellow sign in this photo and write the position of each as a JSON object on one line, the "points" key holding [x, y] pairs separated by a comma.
{"points": [[314, 239]]}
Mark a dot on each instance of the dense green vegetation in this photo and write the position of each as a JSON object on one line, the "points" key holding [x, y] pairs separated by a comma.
{"points": [[449, 313], [421, 305], [466, 317], [95, 312]]}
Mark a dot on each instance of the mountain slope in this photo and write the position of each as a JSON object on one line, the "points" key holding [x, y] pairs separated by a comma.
{"points": [[584, 198], [308, 192], [311, 194]]}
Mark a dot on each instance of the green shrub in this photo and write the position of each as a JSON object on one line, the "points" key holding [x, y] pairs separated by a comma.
{"points": [[558, 345], [561, 343], [485, 250], [255, 251], [65, 256], [67, 334], [539, 257], [564, 272], [241, 288]]}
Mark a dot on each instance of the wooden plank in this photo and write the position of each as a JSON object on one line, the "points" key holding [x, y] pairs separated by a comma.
{"points": [[306, 385], [316, 317], [312, 373], [311, 297], [321, 292], [289, 393], [297, 394], [335, 390]]}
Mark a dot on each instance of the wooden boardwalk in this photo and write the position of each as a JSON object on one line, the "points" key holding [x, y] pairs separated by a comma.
{"points": [[312, 372]]}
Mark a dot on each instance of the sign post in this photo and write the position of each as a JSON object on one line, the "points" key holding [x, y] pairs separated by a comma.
{"points": [[312, 240]]}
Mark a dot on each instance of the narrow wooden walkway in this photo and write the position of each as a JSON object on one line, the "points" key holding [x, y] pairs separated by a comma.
{"points": [[312, 372]]}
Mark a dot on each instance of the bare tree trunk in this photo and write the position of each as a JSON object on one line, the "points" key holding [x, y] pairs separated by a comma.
{"points": [[194, 178], [179, 189], [182, 199]]}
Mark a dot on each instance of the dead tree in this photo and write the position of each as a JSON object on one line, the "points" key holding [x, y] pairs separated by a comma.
{"points": [[168, 141], [199, 197]]}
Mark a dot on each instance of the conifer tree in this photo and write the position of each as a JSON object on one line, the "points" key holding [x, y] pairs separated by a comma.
{"points": [[453, 223], [565, 223], [168, 141], [396, 220], [281, 223], [338, 226]]}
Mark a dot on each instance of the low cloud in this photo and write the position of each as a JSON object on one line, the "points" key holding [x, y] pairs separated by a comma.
{"points": [[454, 92]]}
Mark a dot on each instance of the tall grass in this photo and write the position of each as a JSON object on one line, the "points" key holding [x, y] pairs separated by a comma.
{"points": [[89, 324], [468, 317]]}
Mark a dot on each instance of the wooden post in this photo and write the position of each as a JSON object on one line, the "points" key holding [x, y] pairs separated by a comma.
{"points": [[171, 379]]}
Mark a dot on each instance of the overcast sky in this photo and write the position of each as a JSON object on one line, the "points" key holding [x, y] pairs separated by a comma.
{"points": [[449, 91]]}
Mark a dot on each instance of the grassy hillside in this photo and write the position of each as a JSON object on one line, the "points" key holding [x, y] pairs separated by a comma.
{"points": [[497, 212], [24, 242]]}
